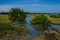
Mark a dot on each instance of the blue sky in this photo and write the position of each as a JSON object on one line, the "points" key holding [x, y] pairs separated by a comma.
{"points": [[50, 6]]}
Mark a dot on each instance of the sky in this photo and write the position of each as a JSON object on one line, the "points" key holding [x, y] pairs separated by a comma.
{"points": [[49, 6]]}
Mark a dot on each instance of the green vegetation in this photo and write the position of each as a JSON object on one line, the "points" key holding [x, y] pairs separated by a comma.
{"points": [[9, 29], [55, 15], [4, 18], [42, 21], [53, 20], [17, 14]]}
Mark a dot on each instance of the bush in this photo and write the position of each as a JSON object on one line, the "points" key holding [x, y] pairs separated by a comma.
{"points": [[42, 21], [16, 14]]}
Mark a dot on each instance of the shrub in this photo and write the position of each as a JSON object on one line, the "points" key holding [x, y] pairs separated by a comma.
{"points": [[42, 21], [16, 14]]}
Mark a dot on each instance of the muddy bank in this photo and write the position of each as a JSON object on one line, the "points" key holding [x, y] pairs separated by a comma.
{"points": [[52, 35]]}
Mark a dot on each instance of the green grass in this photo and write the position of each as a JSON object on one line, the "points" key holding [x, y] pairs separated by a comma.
{"points": [[6, 28], [53, 20], [4, 18]]}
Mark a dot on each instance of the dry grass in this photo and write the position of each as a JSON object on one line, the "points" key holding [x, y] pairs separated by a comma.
{"points": [[43, 36], [53, 20], [4, 18]]}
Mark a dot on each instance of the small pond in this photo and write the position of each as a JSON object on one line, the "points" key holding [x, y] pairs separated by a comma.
{"points": [[33, 31]]}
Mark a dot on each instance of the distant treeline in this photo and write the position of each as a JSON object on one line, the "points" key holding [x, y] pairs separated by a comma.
{"points": [[29, 13], [4, 12]]}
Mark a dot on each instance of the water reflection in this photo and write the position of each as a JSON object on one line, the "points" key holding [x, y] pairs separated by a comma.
{"points": [[33, 31], [55, 26]]}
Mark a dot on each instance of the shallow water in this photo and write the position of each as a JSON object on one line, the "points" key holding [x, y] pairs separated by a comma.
{"points": [[33, 31], [55, 26]]}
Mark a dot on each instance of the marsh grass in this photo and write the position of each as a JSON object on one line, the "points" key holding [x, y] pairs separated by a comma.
{"points": [[4, 18], [6, 28], [53, 20]]}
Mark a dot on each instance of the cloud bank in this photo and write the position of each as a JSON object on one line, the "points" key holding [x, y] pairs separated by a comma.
{"points": [[32, 8]]}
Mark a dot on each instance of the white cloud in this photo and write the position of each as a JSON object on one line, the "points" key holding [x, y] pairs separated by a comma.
{"points": [[22, 6], [32, 7], [5, 7]]}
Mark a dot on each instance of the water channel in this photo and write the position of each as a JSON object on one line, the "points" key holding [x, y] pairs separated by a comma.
{"points": [[33, 31]]}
